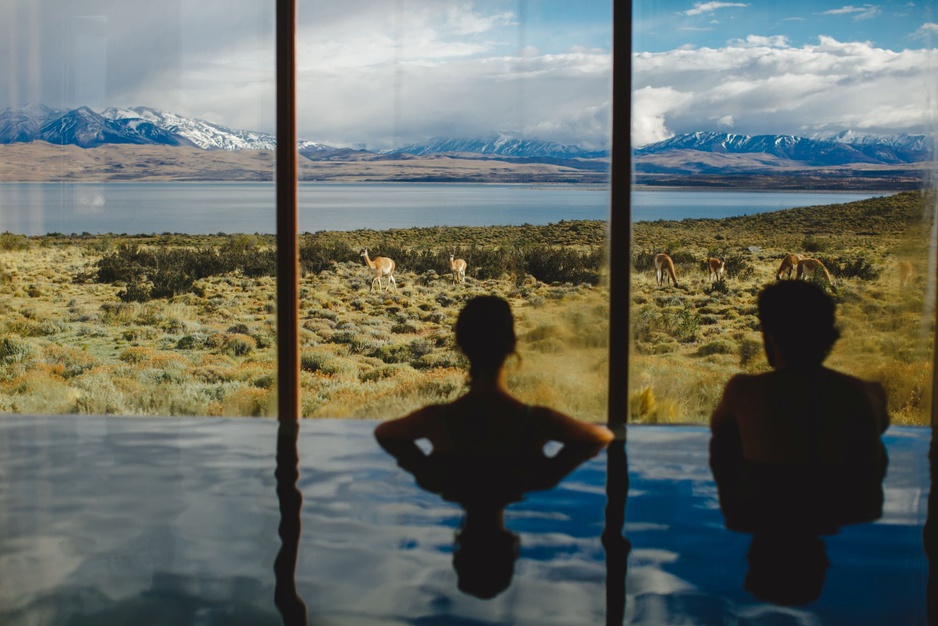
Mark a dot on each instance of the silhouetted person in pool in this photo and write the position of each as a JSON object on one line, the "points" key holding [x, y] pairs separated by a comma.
{"points": [[797, 452], [488, 448]]}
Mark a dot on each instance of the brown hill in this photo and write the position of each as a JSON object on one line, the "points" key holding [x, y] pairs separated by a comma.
{"points": [[43, 162]]}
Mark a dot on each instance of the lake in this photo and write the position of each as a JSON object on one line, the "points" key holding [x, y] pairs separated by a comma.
{"points": [[207, 208]]}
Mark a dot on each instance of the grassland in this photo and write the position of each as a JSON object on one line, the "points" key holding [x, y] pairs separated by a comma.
{"points": [[184, 325]]}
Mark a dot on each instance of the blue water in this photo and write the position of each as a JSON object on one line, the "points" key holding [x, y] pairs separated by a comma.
{"points": [[205, 208], [116, 521]]}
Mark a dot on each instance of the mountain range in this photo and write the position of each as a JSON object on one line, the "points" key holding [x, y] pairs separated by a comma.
{"points": [[672, 161]]}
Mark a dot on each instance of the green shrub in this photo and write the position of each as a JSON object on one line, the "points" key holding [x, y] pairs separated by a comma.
{"points": [[749, 351], [11, 241], [239, 345], [14, 350], [846, 267], [813, 244], [719, 346]]}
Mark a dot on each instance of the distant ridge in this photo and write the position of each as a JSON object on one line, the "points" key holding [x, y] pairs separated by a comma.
{"points": [[709, 154], [86, 128], [819, 150], [501, 145]]}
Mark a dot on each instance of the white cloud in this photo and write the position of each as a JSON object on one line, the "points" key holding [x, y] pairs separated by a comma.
{"points": [[710, 7], [650, 107], [769, 89], [864, 12], [775, 41], [925, 31]]}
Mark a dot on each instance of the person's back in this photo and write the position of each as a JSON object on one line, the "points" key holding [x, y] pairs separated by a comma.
{"points": [[798, 446], [487, 432]]}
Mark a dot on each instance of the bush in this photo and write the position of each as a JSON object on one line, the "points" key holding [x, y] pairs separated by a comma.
{"points": [[11, 241], [14, 350], [716, 347], [317, 256], [550, 265], [239, 345], [812, 244], [845, 267], [749, 351], [164, 272]]}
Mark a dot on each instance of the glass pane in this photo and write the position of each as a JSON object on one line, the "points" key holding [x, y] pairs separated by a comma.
{"points": [[477, 131], [762, 131], [136, 263]]}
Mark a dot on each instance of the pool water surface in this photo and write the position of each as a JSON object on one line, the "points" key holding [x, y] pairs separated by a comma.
{"points": [[178, 521]]}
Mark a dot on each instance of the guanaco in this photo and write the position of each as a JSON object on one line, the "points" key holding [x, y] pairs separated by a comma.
{"points": [[663, 263]]}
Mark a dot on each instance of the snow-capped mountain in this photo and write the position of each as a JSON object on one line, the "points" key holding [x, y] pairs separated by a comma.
{"points": [[819, 150], [501, 145], [138, 125], [22, 124], [144, 125], [200, 133], [85, 128]]}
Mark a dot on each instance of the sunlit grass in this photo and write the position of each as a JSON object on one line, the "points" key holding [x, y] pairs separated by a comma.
{"points": [[69, 344]]}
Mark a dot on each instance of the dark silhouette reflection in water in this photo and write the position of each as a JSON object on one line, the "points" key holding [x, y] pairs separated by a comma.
{"points": [[286, 598], [930, 532], [484, 550], [797, 452], [616, 546], [488, 448]]}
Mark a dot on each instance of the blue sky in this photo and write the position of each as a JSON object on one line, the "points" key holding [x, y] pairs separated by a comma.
{"points": [[380, 73], [668, 24]]}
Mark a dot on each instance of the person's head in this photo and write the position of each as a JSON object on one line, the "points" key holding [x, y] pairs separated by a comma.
{"points": [[797, 317], [484, 560], [485, 332], [786, 569]]}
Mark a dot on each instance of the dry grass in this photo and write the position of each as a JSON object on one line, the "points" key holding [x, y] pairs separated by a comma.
{"points": [[70, 345]]}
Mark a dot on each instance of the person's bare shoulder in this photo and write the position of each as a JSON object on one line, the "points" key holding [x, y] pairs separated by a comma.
{"points": [[412, 426], [872, 392]]}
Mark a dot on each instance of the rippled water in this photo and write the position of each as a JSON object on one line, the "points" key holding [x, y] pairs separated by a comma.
{"points": [[175, 521]]}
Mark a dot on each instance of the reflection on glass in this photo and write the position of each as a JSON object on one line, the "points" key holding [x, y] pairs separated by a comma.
{"points": [[768, 132], [136, 261], [477, 131]]}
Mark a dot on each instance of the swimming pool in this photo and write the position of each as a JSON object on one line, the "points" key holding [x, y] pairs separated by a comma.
{"points": [[175, 521]]}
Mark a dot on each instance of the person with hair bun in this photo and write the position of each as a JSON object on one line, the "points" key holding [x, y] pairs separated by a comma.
{"points": [[488, 449], [488, 419]]}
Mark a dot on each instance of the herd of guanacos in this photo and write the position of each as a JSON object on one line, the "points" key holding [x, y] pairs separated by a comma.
{"points": [[383, 266], [803, 266]]}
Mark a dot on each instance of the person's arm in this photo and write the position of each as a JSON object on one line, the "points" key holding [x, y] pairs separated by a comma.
{"points": [[568, 430], [877, 395], [726, 451], [398, 438], [726, 456]]}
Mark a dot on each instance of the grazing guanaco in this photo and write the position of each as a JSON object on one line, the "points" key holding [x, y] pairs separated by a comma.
{"points": [[664, 264], [715, 269], [383, 266], [458, 267], [905, 273], [789, 263], [807, 267]]}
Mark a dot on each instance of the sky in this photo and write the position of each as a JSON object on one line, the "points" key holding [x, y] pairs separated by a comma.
{"points": [[385, 73]]}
